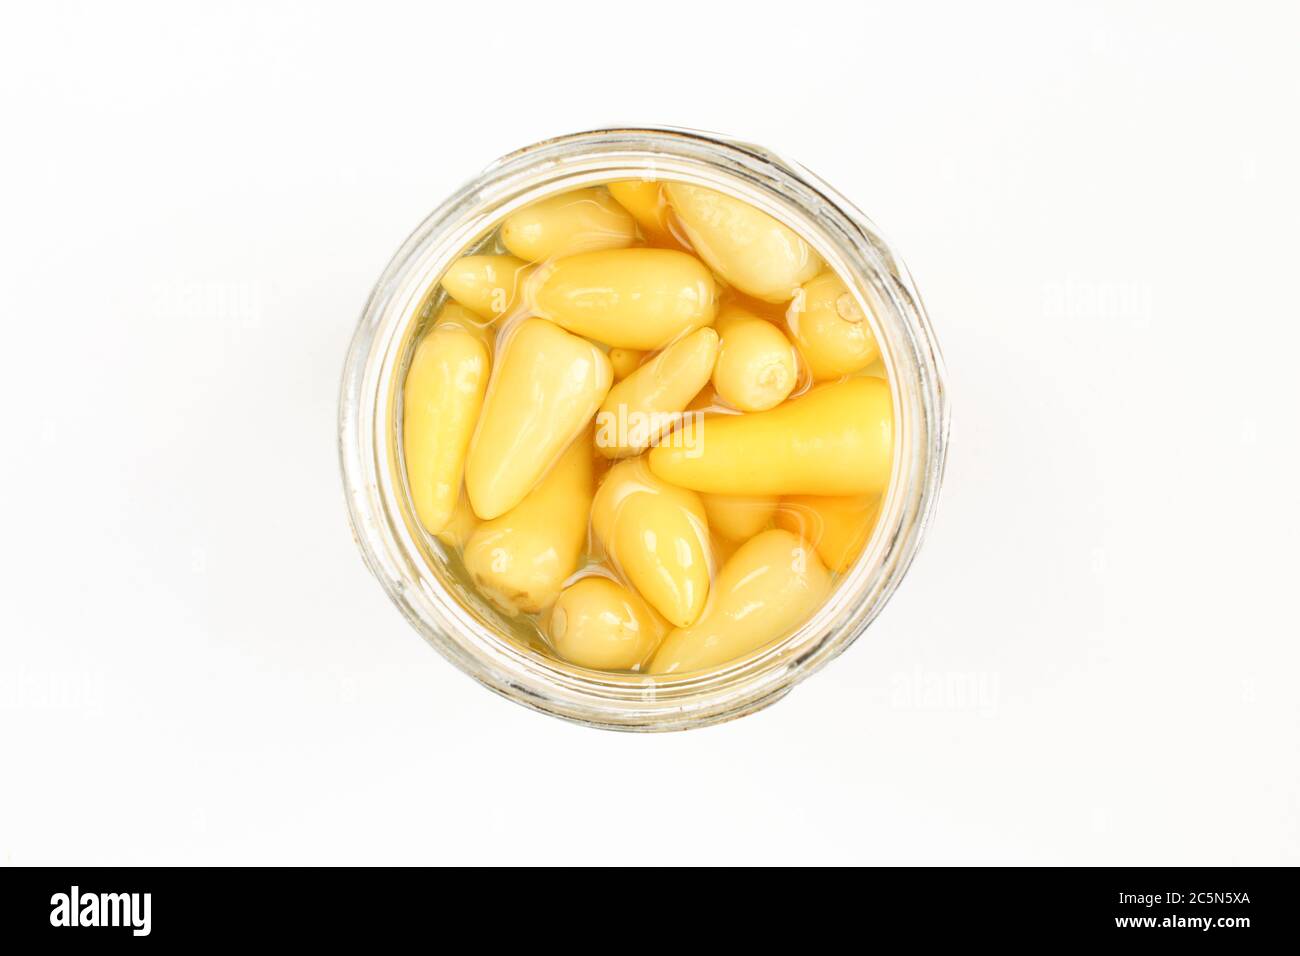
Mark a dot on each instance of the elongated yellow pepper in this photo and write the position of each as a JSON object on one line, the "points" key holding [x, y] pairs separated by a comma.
{"points": [[835, 440], [657, 536], [490, 286], [599, 623], [838, 527], [757, 367], [831, 329], [582, 220], [627, 298], [521, 559], [744, 245], [768, 588], [649, 401], [548, 385], [442, 395]]}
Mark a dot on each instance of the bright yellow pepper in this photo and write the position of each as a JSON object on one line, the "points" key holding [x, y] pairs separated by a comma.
{"points": [[442, 395], [548, 385], [745, 246], [835, 440], [771, 585], [582, 220], [838, 527], [757, 367], [522, 558], [831, 329], [627, 298], [644, 199], [599, 623], [649, 401], [658, 538], [490, 286]]}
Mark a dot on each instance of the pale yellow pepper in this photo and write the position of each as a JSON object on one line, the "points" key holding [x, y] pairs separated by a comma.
{"points": [[625, 362], [835, 440], [627, 298], [739, 517], [547, 386], [831, 329], [657, 536], [582, 220], [522, 558], [490, 286], [442, 395], [644, 199], [745, 246], [757, 367], [639, 409], [838, 527], [599, 623], [771, 585]]}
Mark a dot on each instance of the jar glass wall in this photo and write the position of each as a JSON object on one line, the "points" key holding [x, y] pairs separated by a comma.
{"points": [[414, 569]]}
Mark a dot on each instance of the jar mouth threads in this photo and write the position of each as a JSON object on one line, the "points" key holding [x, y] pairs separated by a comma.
{"points": [[417, 576]]}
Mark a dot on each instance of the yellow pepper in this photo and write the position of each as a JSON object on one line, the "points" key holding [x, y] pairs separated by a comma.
{"points": [[770, 586], [490, 286], [745, 246], [582, 220], [838, 527], [627, 298], [599, 623], [442, 395], [658, 538], [522, 558], [548, 385], [757, 367], [835, 440], [649, 401], [831, 329]]}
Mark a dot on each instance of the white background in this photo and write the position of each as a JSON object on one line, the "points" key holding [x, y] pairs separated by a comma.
{"points": [[1094, 658]]}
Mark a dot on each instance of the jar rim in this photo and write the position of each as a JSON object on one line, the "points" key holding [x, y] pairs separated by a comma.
{"points": [[394, 547]]}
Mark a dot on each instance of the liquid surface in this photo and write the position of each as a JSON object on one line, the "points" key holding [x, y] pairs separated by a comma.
{"points": [[648, 425]]}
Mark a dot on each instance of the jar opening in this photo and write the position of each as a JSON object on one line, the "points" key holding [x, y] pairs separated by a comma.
{"points": [[415, 570]]}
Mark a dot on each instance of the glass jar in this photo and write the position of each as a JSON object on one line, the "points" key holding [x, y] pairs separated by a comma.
{"points": [[413, 567]]}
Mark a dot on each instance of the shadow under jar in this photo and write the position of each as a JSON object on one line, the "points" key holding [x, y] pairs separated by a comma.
{"points": [[426, 578]]}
